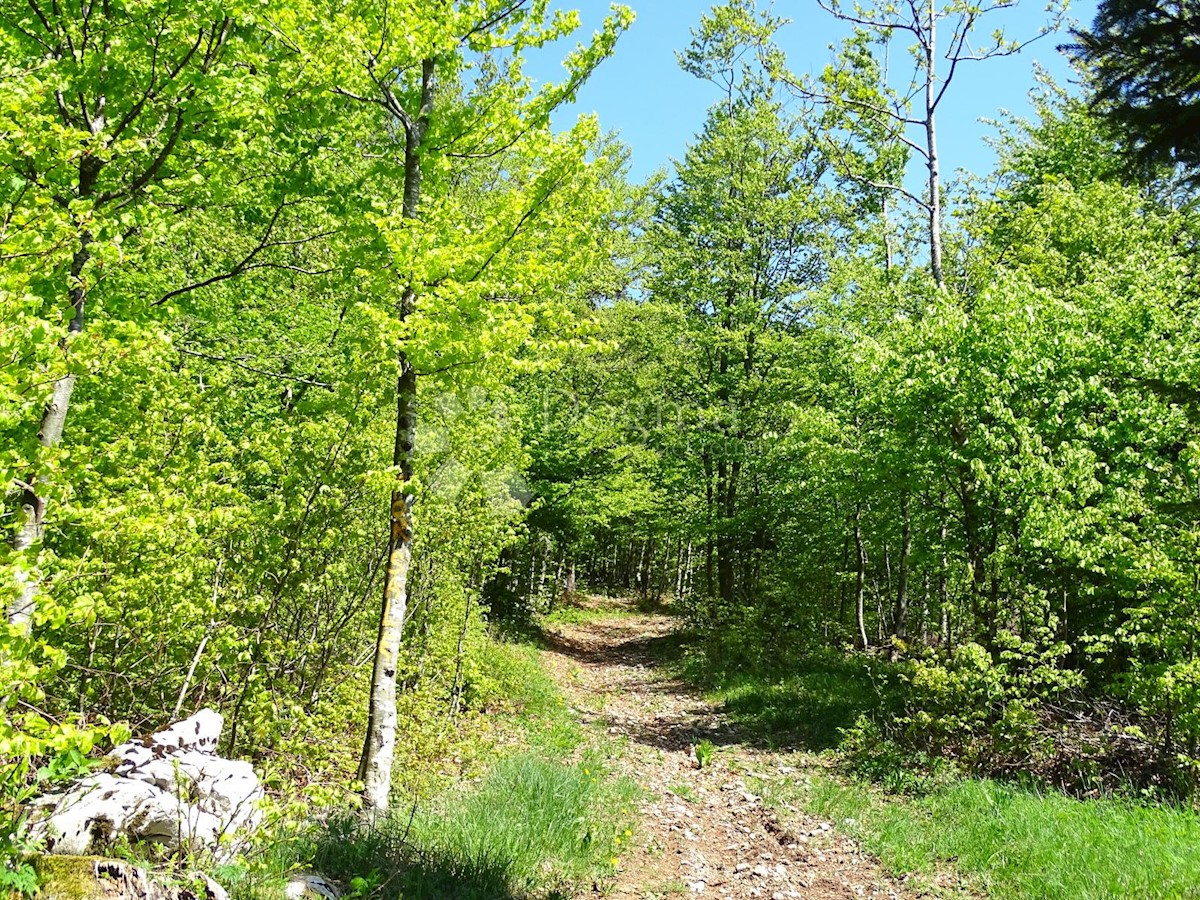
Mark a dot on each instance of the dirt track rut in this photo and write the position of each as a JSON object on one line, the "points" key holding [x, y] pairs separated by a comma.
{"points": [[702, 831]]}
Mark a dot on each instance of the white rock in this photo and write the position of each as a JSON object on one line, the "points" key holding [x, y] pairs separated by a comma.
{"points": [[201, 732], [91, 814], [170, 789], [311, 886], [130, 756]]}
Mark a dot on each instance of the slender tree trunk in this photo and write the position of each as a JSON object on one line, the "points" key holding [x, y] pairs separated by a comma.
{"points": [[726, 505], [900, 625], [935, 179], [33, 499], [860, 573], [709, 545], [842, 582], [375, 768]]}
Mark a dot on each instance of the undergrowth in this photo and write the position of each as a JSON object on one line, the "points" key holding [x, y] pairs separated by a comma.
{"points": [[925, 813], [505, 818]]}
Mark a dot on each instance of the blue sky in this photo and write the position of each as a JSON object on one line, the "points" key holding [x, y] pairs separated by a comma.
{"points": [[642, 93]]}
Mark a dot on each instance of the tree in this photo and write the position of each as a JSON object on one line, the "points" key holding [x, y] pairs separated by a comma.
{"points": [[117, 122], [110, 133], [498, 117], [1142, 60], [736, 239], [926, 87]]}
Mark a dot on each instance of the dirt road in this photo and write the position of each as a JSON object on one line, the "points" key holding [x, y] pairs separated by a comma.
{"points": [[702, 831]]}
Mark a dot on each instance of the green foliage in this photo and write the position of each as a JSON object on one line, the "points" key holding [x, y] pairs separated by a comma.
{"points": [[17, 787], [1143, 80], [222, 220], [984, 708], [529, 826]]}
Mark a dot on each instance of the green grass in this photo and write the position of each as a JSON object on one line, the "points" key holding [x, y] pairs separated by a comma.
{"points": [[683, 791], [806, 707], [1014, 843], [531, 828], [531, 703], [578, 614]]}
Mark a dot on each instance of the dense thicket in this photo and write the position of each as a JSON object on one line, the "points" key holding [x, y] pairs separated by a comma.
{"points": [[233, 239]]}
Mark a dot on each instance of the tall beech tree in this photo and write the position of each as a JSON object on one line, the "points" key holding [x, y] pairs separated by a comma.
{"points": [[402, 55], [736, 240]]}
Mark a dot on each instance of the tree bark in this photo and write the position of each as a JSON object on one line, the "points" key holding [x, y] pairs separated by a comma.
{"points": [[900, 625], [935, 178], [375, 768], [33, 499], [860, 573]]}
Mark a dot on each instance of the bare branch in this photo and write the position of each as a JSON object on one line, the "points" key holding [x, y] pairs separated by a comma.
{"points": [[241, 363], [834, 10], [848, 171], [249, 261]]}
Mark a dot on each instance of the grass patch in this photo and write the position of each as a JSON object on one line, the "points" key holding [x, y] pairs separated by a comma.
{"points": [[585, 608], [1015, 843], [806, 707], [531, 828], [522, 692], [683, 791], [516, 822]]}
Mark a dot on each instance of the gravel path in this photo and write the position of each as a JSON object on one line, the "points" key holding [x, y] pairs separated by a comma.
{"points": [[702, 832]]}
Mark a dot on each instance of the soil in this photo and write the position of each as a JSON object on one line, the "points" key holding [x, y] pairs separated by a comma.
{"points": [[702, 832]]}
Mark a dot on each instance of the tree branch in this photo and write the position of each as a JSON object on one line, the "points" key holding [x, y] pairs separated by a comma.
{"points": [[241, 364]]}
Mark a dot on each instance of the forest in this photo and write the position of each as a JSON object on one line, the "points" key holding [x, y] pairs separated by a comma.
{"points": [[340, 379]]}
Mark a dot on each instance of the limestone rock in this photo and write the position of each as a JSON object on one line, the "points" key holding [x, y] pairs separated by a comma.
{"points": [[311, 887], [95, 878], [170, 788]]}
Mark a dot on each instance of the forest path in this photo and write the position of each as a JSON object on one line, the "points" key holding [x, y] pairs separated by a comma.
{"points": [[702, 832]]}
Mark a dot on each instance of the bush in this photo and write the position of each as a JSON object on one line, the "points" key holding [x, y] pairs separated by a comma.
{"points": [[986, 707]]}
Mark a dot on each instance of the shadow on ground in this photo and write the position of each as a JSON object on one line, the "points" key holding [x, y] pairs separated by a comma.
{"points": [[806, 705]]}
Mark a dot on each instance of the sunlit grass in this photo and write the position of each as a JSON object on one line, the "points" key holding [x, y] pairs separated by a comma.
{"points": [[531, 828], [1014, 842], [1009, 841]]}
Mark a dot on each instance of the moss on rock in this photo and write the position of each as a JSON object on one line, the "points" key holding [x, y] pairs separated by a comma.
{"points": [[68, 877]]}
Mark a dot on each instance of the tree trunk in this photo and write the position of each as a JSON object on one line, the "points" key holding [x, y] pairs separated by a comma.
{"points": [[54, 418], [860, 572], [709, 545], [841, 617], [935, 180], [900, 625], [726, 555], [375, 768]]}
